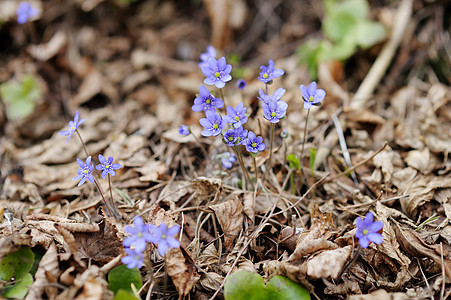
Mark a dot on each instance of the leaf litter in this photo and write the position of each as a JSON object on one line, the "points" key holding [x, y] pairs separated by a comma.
{"points": [[135, 86]]}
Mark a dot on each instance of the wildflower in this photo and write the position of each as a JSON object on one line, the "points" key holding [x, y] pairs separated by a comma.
{"points": [[274, 111], [25, 12], [73, 125], [217, 72], [254, 144], [241, 135], [275, 97], [236, 116], [165, 238], [284, 134], [227, 159], [211, 52], [205, 101], [367, 230], [184, 130], [213, 124], [311, 95], [134, 259], [107, 166], [241, 84], [85, 171], [139, 234], [268, 73]]}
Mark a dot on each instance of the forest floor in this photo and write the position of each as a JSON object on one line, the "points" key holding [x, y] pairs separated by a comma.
{"points": [[131, 71]]}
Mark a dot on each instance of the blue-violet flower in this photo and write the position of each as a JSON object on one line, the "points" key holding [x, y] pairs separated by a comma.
{"points": [[241, 135], [206, 101], [241, 84], [165, 238], [230, 137], [85, 171], [275, 97], [311, 95], [236, 116], [268, 73], [217, 72], [213, 124], [134, 259], [274, 111], [107, 166], [25, 12], [227, 159], [184, 130], [254, 144], [211, 52], [139, 234], [73, 125], [367, 230]]}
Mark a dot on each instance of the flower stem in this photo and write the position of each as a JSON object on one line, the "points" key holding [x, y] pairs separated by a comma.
{"points": [[221, 93], [303, 141], [268, 164], [243, 167], [256, 170]]}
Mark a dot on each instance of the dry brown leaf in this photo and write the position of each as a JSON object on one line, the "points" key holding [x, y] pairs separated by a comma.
{"points": [[386, 161], [44, 52], [294, 272], [219, 13], [211, 281], [92, 290], [418, 159], [249, 206], [182, 271], [311, 242], [48, 269], [152, 170], [381, 295], [328, 263], [93, 84], [230, 217]]}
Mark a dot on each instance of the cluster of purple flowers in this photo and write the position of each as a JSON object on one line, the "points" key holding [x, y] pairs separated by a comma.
{"points": [[25, 12], [142, 233]]}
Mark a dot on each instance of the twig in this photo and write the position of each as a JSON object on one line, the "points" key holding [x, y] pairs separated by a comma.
{"points": [[442, 292], [382, 62]]}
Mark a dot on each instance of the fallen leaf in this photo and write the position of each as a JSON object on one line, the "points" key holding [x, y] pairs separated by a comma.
{"points": [[328, 263], [230, 217], [418, 159]]}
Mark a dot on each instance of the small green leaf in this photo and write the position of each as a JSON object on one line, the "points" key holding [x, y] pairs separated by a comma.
{"points": [[369, 33], [20, 97], [122, 277], [244, 285], [124, 295], [283, 288], [294, 161], [20, 289], [337, 26], [16, 264], [312, 160]]}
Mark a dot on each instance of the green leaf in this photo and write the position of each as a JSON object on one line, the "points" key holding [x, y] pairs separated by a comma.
{"points": [[337, 26], [244, 285], [294, 161], [283, 288], [369, 33], [16, 264], [20, 97], [20, 289], [124, 295], [122, 277]]}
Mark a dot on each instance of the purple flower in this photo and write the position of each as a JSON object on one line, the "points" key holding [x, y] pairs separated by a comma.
{"points": [[213, 124], [134, 259], [211, 52], [268, 73], [139, 234], [230, 137], [254, 144], [241, 84], [184, 130], [367, 230], [107, 166], [25, 12], [241, 135], [217, 72], [227, 159], [274, 111], [311, 95], [236, 116], [73, 125], [205, 101], [165, 238], [274, 98], [85, 171]]}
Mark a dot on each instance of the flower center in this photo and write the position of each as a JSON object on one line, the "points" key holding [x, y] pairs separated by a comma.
{"points": [[72, 128], [208, 101], [310, 98], [215, 126], [139, 234], [230, 138], [237, 118], [254, 144], [265, 76], [273, 114], [163, 236], [217, 74], [365, 231], [85, 171], [107, 166]]}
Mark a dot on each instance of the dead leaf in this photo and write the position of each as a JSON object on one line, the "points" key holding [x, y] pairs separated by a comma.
{"points": [[418, 159], [44, 52], [152, 170], [230, 217], [182, 272], [328, 263], [311, 242], [381, 295]]}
